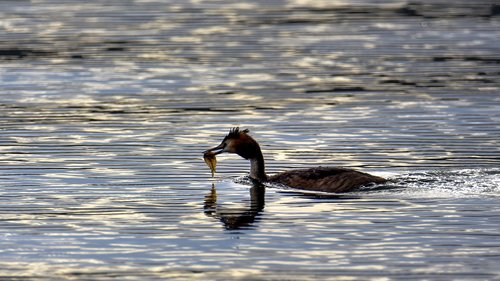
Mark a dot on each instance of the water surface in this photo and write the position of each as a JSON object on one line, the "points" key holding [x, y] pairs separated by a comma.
{"points": [[106, 108]]}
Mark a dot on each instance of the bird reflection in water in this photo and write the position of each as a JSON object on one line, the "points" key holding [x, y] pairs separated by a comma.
{"points": [[236, 218]]}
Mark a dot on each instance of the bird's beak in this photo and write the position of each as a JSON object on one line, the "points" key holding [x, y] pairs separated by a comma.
{"points": [[216, 150]]}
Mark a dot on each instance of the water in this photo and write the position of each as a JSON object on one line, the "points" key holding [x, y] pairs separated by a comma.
{"points": [[106, 108]]}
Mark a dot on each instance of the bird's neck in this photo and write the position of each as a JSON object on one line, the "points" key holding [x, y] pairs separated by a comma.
{"points": [[257, 168]]}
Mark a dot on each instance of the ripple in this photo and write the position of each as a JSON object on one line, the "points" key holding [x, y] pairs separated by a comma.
{"points": [[105, 110]]}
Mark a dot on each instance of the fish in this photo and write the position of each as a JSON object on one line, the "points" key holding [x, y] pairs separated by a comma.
{"points": [[211, 161]]}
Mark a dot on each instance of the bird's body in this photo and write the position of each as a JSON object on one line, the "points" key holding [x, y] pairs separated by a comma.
{"points": [[326, 179]]}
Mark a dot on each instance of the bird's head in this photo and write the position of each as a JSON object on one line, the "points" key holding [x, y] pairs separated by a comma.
{"points": [[239, 142]]}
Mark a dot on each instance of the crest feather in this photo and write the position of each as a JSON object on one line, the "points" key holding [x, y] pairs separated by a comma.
{"points": [[236, 132]]}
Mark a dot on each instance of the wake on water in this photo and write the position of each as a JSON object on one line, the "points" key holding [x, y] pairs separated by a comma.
{"points": [[440, 184]]}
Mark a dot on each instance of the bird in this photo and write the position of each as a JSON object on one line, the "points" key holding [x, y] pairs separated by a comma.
{"points": [[324, 179]]}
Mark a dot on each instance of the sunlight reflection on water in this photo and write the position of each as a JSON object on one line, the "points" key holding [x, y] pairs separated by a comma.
{"points": [[105, 110]]}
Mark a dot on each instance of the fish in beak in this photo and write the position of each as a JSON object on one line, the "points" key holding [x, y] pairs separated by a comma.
{"points": [[209, 157]]}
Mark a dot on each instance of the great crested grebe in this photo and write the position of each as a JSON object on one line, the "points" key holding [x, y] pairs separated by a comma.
{"points": [[327, 179]]}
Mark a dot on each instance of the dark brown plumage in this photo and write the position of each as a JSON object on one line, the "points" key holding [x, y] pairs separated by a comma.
{"points": [[326, 179]]}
